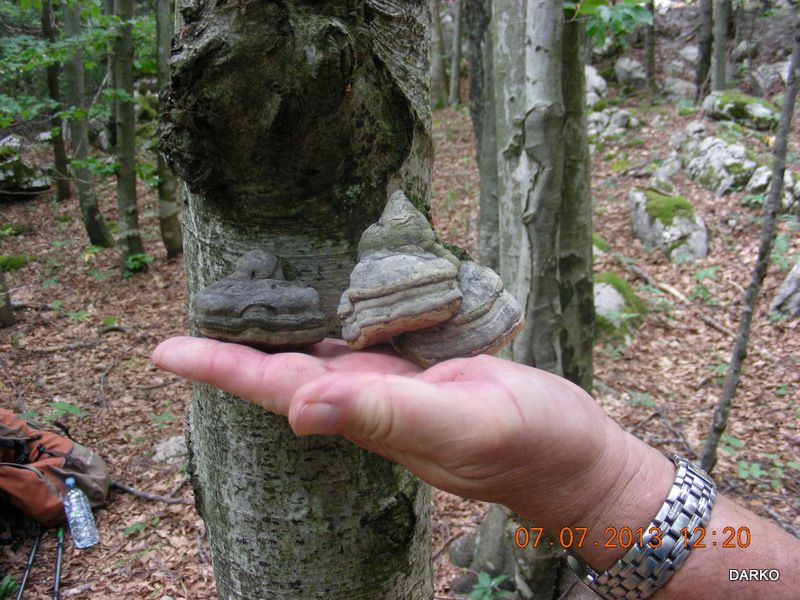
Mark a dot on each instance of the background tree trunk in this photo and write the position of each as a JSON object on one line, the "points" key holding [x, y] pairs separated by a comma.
{"points": [[455, 58], [78, 128], [126, 134], [439, 86], [650, 50], [478, 18], [61, 170], [167, 183], [297, 153], [530, 116], [575, 239], [705, 37], [6, 313], [709, 456], [720, 46]]}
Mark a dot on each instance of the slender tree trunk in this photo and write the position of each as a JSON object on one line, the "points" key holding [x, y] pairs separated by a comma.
{"points": [[478, 19], [126, 134], [771, 207], [575, 240], [297, 153], [720, 46], [111, 124], [650, 50], [78, 128], [61, 170], [439, 86], [167, 183], [455, 58], [705, 37], [6, 313], [530, 114]]}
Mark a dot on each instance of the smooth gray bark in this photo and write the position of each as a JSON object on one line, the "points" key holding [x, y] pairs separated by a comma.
{"points": [[297, 153], [60, 168], [478, 17], [575, 241], [455, 58], [128, 216], [722, 412], [705, 37], [93, 220], [650, 50], [529, 118], [6, 313], [167, 182], [439, 86], [720, 45]]}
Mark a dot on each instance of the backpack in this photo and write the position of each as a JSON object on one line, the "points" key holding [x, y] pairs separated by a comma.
{"points": [[34, 464]]}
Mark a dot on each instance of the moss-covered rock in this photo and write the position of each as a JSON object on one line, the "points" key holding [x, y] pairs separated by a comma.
{"points": [[667, 208], [669, 223], [618, 310], [601, 246], [14, 262], [732, 105]]}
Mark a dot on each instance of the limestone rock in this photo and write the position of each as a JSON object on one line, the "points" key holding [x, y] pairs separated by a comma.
{"points": [[17, 178], [744, 50], [689, 54], [787, 298], [761, 179], [668, 223], [630, 72], [171, 451], [678, 88], [596, 86], [610, 123], [618, 310], [718, 165], [746, 110], [257, 307], [404, 280], [488, 318]]}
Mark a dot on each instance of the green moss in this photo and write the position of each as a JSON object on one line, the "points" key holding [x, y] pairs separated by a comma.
{"points": [[624, 288], [635, 143], [14, 262], [457, 251], [738, 98], [600, 104], [666, 208], [600, 243], [422, 206], [289, 272]]}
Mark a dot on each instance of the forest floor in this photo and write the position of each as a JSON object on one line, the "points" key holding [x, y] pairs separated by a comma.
{"points": [[85, 334]]}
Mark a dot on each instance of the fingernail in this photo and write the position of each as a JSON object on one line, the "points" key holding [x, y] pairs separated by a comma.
{"points": [[316, 418]]}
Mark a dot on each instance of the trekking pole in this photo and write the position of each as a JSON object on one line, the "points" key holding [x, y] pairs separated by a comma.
{"points": [[59, 550], [29, 565]]}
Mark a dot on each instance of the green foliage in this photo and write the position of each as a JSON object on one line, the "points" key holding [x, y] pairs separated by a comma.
{"points": [[8, 586], [780, 256], [719, 368], [752, 200], [487, 587], [605, 19], [162, 419], [9, 229], [700, 290], [599, 242], [14, 262], [57, 411], [135, 263], [141, 526], [666, 208], [729, 444], [639, 399]]}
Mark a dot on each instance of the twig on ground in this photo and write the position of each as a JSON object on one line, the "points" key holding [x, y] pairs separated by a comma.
{"points": [[446, 545], [641, 423], [148, 496], [178, 488], [64, 347], [10, 379]]}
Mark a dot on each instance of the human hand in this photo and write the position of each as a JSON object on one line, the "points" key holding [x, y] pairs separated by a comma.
{"points": [[479, 427]]}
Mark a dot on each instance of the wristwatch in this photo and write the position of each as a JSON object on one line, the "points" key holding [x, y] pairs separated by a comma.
{"points": [[664, 547]]}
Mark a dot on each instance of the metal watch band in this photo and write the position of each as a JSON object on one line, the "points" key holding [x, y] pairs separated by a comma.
{"points": [[644, 568]]}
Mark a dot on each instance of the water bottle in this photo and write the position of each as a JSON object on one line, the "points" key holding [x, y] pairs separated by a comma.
{"points": [[79, 516]]}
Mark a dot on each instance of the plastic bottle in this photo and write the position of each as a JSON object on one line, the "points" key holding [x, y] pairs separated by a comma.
{"points": [[79, 516]]}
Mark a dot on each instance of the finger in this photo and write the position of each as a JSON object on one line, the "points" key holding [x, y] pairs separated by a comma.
{"points": [[268, 380]]}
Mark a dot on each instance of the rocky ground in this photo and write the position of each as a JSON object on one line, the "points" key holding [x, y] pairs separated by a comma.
{"points": [[85, 334]]}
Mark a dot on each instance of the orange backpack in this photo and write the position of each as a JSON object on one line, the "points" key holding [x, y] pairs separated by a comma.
{"points": [[34, 464]]}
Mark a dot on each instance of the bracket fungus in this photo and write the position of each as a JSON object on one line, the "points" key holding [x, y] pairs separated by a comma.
{"points": [[257, 307], [409, 289]]}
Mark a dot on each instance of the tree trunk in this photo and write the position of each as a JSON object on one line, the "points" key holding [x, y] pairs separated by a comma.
{"points": [[650, 50], [455, 58], [705, 37], [478, 18], [720, 46], [297, 153], [575, 237], [771, 206], [167, 183], [6, 313], [111, 123], [60, 168], [529, 118], [126, 134], [78, 129], [439, 86]]}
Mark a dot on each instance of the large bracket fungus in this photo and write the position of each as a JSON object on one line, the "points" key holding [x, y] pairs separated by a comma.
{"points": [[257, 307], [409, 289]]}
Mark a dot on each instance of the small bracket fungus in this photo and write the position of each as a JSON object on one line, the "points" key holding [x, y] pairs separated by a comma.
{"points": [[404, 280], [408, 288], [488, 319], [255, 306]]}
